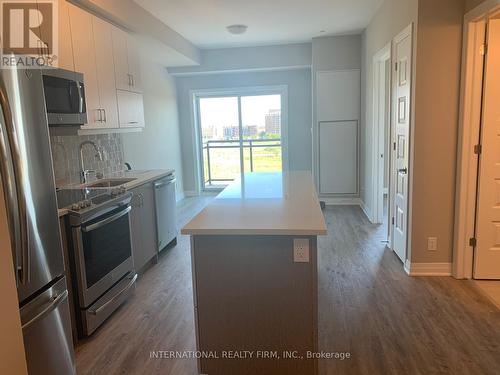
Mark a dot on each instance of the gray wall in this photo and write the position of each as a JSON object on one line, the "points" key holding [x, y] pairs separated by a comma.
{"points": [[158, 145], [250, 58], [299, 112], [439, 52], [392, 17], [332, 53]]}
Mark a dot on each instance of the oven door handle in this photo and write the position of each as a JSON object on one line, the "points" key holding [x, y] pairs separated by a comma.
{"points": [[106, 221], [112, 300]]}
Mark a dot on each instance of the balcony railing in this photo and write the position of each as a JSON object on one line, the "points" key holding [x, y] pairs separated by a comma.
{"points": [[222, 158]]}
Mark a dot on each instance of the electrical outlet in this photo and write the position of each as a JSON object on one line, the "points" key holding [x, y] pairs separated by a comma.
{"points": [[432, 244], [301, 250]]}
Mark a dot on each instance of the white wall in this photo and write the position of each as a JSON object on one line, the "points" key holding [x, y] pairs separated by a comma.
{"points": [[158, 145], [299, 112]]}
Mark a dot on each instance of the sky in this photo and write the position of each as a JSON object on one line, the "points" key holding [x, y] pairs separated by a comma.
{"points": [[224, 111]]}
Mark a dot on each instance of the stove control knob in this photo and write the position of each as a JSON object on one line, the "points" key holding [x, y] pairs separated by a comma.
{"points": [[88, 203], [75, 206], [82, 204], [123, 190], [114, 192]]}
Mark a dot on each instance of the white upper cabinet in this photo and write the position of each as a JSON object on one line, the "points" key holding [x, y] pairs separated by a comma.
{"points": [[134, 63], [82, 39], [120, 55], [105, 72], [131, 109], [109, 60], [65, 54], [127, 64]]}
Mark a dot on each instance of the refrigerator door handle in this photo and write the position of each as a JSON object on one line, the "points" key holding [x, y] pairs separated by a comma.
{"points": [[56, 300], [14, 187]]}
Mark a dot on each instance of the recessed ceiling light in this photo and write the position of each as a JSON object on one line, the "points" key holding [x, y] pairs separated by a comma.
{"points": [[237, 29]]}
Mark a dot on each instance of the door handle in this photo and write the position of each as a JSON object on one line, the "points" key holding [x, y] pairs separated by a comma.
{"points": [[129, 285], [18, 216], [51, 306], [403, 170]]}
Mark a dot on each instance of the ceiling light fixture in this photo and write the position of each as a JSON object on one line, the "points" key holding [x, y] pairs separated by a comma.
{"points": [[237, 29]]}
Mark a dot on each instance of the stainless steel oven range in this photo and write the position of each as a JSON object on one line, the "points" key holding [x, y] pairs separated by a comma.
{"points": [[102, 267]]}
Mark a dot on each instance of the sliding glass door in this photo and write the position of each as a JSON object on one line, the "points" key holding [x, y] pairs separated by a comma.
{"points": [[239, 134]]}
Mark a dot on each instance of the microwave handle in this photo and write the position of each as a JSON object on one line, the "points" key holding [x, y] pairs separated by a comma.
{"points": [[106, 221], [80, 97]]}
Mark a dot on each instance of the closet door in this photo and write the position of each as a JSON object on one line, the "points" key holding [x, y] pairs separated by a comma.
{"points": [[338, 96], [82, 39], [105, 72], [338, 162]]}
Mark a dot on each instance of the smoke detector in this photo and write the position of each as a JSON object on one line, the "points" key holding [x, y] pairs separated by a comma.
{"points": [[237, 29]]}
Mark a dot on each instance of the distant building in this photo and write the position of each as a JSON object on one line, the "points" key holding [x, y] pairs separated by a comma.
{"points": [[273, 122], [231, 132], [250, 130]]}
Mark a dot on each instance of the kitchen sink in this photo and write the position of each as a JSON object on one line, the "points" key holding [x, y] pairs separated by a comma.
{"points": [[110, 182]]}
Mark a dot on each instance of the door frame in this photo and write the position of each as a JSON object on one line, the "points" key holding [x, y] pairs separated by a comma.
{"points": [[380, 115], [195, 95], [469, 130]]}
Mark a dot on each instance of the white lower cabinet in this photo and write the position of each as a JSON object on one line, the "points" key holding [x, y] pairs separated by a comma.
{"points": [[143, 226]]}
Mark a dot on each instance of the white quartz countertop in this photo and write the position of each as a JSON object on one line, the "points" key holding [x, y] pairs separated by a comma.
{"points": [[140, 177], [263, 204]]}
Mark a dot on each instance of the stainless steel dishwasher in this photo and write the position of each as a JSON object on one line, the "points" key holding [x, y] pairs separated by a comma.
{"points": [[165, 211]]}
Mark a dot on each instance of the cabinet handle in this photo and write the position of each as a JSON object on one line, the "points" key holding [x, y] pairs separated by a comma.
{"points": [[99, 115], [129, 79], [133, 79], [105, 116]]}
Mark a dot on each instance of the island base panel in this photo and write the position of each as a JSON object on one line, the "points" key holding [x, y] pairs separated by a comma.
{"points": [[254, 302]]}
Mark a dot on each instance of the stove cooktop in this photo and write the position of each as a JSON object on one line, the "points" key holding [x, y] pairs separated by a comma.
{"points": [[77, 199]]}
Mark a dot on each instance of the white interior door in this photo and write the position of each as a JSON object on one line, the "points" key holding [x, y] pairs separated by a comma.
{"points": [[487, 252], [402, 50]]}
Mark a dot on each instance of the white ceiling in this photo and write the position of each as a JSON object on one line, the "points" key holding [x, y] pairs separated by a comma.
{"points": [[204, 22]]}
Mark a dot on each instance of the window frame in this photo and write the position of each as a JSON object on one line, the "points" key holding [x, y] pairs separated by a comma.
{"points": [[239, 92]]}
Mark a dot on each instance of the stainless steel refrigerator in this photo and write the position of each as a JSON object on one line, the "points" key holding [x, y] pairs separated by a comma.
{"points": [[28, 181]]}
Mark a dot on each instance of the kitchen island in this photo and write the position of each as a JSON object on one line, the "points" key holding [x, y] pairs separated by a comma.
{"points": [[254, 264]]}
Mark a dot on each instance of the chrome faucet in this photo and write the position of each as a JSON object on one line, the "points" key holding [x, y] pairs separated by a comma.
{"points": [[84, 173]]}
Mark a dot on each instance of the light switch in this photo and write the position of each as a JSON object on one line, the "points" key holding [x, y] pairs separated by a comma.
{"points": [[301, 250]]}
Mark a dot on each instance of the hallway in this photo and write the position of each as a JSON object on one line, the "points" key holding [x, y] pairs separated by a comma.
{"points": [[368, 306]]}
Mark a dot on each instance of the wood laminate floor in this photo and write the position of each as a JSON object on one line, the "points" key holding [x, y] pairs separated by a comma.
{"points": [[388, 322]]}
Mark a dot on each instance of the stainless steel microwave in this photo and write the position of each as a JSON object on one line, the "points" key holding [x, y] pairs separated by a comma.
{"points": [[64, 97]]}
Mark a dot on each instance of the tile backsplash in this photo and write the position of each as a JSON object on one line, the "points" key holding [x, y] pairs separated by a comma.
{"points": [[66, 156]]}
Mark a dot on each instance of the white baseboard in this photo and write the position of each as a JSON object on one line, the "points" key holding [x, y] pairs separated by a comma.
{"points": [[428, 269], [366, 210], [191, 193]]}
